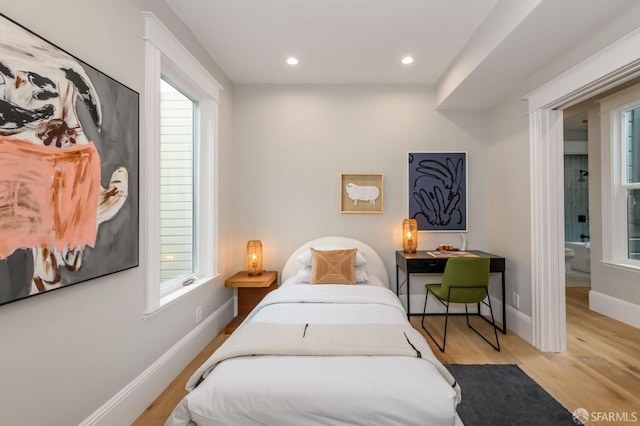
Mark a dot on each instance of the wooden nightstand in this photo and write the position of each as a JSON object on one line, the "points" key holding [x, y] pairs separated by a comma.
{"points": [[251, 290]]}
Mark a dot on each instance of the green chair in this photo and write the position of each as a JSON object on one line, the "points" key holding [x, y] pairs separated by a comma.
{"points": [[465, 280]]}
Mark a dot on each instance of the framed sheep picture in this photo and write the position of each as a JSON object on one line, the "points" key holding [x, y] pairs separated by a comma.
{"points": [[361, 193]]}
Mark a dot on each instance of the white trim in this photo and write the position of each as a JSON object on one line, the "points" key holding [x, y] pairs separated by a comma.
{"points": [[613, 181], [607, 158], [152, 156], [165, 55], [208, 190], [157, 34], [520, 324], [615, 64], [608, 68], [547, 235], [174, 296], [621, 310], [126, 405], [621, 266]]}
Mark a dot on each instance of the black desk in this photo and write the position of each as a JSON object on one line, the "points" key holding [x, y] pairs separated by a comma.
{"points": [[421, 262]]}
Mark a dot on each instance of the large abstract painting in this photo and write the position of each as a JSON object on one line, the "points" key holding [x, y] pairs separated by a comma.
{"points": [[438, 190], [68, 168]]}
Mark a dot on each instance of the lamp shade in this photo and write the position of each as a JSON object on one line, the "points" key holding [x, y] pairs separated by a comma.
{"points": [[409, 235], [254, 257]]}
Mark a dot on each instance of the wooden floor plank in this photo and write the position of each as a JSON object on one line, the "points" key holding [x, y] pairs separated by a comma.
{"points": [[600, 371]]}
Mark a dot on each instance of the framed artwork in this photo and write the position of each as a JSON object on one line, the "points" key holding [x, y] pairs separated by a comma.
{"points": [[361, 193], [68, 168], [438, 190]]}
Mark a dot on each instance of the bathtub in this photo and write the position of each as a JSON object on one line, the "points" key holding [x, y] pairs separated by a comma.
{"points": [[582, 260]]}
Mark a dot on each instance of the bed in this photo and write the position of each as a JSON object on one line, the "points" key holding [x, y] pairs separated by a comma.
{"points": [[330, 354]]}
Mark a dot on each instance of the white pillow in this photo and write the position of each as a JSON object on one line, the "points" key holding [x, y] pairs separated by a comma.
{"points": [[304, 259], [304, 275], [371, 280]]}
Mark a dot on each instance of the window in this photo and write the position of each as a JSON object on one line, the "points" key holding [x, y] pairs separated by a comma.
{"points": [[631, 138], [621, 177], [176, 188], [181, 121]]}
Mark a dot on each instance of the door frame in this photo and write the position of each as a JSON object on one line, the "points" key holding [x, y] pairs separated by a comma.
{"points": [[608, 68]]}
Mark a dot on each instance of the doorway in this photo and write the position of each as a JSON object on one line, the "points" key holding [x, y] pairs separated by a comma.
{"points": [[577, 243], [618, 63]]}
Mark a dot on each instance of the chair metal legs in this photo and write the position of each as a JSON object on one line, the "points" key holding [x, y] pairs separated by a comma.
{"points": [[446, 322], [493, 322]]}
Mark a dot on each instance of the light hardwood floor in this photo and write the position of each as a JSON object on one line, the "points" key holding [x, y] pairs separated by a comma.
{"points": [[600, 371]]}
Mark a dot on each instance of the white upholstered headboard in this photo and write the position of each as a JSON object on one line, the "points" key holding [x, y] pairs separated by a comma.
{"points": [[375, 265]]}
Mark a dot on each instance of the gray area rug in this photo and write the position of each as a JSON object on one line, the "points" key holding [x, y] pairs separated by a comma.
{"points": [[499, 395]]}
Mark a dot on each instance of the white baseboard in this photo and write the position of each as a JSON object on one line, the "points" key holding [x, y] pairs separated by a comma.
{"points": [[520, 324], [621, 310], [517, 322], [125, 406]]}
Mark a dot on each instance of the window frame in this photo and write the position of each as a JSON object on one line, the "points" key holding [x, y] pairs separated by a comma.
{"points": [[615, 186], [166, 56], [169, 286]]}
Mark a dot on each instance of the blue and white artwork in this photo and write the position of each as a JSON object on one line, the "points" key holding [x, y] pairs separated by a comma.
{"points": [[438, 190]]}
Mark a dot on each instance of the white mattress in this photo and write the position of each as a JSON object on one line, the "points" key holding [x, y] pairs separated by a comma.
{"points": [[322, 390]]}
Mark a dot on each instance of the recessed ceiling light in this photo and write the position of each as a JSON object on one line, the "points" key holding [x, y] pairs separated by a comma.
{"points": [[407, 60], [292, 61]]}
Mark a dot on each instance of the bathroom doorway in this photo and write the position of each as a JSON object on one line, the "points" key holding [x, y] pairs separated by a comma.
{"points": [[576, 200]]}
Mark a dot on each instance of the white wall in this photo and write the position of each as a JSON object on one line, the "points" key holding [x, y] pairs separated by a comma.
{"points": [[292, 142], [576, 147], [508, 191], [67, 352]]}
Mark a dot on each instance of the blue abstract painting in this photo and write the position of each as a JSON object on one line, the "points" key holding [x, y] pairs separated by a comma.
{"points": [[438, 190]]}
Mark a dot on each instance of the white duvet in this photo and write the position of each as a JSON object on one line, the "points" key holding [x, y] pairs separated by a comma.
{"points": [[321, 390]]}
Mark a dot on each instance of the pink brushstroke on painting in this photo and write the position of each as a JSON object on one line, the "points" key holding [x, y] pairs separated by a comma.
{"points": [[48, 196]]}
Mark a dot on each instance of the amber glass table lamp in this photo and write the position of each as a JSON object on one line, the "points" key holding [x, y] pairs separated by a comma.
{"points": [[409, 235]]}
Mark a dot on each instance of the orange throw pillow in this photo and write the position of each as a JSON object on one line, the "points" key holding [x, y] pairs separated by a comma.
{"points": [[333, 266]]}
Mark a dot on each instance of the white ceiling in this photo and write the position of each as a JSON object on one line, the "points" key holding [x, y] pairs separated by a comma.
{"points": [[336, 41], [474, 49]]}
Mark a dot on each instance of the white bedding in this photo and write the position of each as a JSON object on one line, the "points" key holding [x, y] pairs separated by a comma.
{"points": [[322, 390]]}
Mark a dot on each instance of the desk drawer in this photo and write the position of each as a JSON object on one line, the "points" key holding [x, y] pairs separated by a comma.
{"points": [[426, 265]]}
